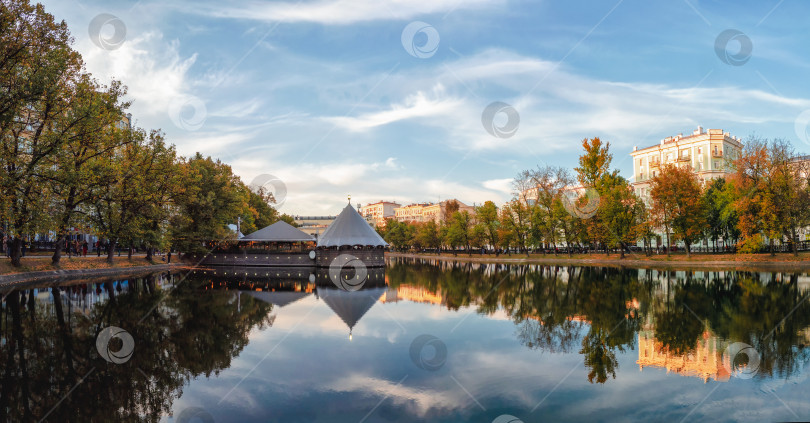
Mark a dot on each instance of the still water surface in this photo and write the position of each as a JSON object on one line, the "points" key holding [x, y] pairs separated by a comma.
{"points": [[420, 342]]}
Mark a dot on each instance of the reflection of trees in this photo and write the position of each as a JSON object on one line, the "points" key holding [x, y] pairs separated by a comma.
{"points": [[553, 305], [49, 351]]}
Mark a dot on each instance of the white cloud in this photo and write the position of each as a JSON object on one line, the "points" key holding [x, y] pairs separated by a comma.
{"points": [[340, 12], [149, 66], [417, 105], [501, 185]]}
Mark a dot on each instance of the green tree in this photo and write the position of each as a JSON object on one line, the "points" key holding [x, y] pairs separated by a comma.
{"points": [[212, 197], [487, 216]]}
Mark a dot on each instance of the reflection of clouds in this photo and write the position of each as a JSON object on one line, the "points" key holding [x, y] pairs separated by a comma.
{"points": [[418, 400], [484, 355]]}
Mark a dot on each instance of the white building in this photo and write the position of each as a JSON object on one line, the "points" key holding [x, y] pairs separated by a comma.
{"points": [[707, 153]]}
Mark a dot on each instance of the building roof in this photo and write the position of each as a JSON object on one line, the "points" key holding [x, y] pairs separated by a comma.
{"points": [[280, 231], [349, 228]]}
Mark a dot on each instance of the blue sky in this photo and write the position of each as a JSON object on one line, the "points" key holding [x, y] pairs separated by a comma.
{"points": [[324, 95]]}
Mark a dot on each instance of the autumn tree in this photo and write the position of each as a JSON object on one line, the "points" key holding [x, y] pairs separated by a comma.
{"points": [[38, 69], [89, 134], [677, 205]]}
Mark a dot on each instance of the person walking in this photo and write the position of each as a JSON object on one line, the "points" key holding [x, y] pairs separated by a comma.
{"points": [[84, 248]]}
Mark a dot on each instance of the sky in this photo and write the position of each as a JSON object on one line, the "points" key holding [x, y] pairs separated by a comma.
{"points": [[425, 100]]}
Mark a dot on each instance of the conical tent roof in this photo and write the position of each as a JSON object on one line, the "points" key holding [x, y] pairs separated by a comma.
{"points": [[349, 228], [280, 231], [350, 306]]}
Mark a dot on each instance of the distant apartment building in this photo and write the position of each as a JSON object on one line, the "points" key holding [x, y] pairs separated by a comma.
{"points": [[379, 211], [410, 213], [425, 212], [707, 153]]}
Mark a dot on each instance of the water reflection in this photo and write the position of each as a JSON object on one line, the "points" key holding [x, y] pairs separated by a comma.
{"points": [[51, 368], [683, 321], [201, 339]]}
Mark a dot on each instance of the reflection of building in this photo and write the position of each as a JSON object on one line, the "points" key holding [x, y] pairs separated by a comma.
{"points": [[412, 293], [705, 361], [350, 306]]}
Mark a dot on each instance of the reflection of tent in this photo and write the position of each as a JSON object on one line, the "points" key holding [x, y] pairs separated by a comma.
{"points": [[350, 306], [349, 228], [277, 298], [280, 231]]}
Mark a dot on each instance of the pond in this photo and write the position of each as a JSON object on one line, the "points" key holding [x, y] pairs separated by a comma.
{"points": [[420, 341]]}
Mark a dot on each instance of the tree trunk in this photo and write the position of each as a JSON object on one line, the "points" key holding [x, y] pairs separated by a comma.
{"points": [[16, 252], [57, 251], [688, 249], [149, 253], [793, 243], [111, 251], [667, 246], [770, 245], [129, 252]]}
